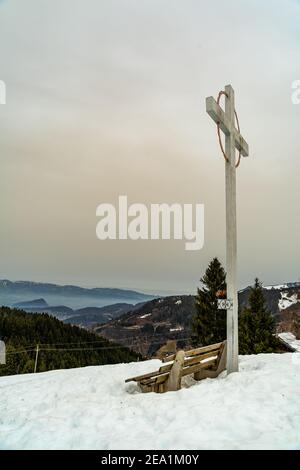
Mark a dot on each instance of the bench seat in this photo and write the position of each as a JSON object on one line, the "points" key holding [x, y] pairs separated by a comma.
{"points": [[204, 362]]}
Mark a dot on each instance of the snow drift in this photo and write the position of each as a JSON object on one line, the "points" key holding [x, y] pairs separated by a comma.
{"points": [[92, 408]]}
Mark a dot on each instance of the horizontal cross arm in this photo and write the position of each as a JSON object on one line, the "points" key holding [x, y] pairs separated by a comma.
{"points": [[241, 144], [217, 114]]}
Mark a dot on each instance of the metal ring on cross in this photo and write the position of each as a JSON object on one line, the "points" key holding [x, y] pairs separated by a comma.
{"points": [[219, 133]]}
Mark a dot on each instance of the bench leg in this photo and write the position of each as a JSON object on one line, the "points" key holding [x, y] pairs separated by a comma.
{"points": [[174, 380]]}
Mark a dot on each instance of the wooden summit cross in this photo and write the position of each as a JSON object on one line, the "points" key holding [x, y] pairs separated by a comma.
{"points": [[233, 140]]}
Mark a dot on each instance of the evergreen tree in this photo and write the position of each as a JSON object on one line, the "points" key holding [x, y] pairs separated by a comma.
{"points": [[209, 323], [257, 325]]}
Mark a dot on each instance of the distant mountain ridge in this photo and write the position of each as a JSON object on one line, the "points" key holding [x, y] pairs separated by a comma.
{"points": [[70, 289], [70, 296], [89, 312], [90, 316], [35, 303]]}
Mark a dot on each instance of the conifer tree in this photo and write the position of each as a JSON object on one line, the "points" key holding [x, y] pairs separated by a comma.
{"points": [[209, 323], [257, 325]]}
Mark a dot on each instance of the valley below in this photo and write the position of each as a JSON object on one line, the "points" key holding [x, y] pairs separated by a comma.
{"points": [[149, 325]]}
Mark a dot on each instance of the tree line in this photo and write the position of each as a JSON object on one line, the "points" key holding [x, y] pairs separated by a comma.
{"points": [[257, 326], [69, 346]]}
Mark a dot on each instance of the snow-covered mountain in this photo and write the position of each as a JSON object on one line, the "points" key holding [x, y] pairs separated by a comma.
{"points": [[92, 408], [168, 320]]}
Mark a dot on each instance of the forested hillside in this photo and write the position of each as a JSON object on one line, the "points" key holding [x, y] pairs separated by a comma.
{"points": [[61, 346]]}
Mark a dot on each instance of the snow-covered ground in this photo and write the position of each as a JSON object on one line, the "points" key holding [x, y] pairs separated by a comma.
{"points": [[92, 408], [290, 339]]}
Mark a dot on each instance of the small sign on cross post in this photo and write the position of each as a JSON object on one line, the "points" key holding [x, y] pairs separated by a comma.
{"points": [[233, 140]]}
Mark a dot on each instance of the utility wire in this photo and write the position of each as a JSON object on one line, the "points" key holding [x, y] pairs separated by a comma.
{"points": [[101, 340], [136, 343]]}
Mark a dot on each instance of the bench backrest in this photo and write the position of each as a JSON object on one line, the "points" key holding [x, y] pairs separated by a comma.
{"points": [[190, 362], [213, 348]]}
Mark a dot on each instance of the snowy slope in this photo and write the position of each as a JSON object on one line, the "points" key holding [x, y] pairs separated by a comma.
{"points": [[92, 408], [291, 340]]}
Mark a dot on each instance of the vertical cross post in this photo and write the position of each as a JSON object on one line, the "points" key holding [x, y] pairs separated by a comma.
{"points": [[231, 238], [233, 140]]}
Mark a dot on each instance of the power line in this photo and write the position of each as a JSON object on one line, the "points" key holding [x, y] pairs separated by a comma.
{"points": [[154, 335], [134, 343], [103, 339], [19, 351]]}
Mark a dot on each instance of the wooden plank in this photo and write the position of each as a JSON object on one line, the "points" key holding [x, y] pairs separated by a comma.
{"points": [[147, 382], [166, 368], [144, 376], [195, 352], [197, 367], [220, 354], [197, 359], [204, 349], [156, 380], [146, 388], [193, 357], [169, 358], [161, 379], [193, 361], [174, 379]]}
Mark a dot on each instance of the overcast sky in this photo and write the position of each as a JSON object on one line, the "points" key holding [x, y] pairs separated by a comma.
{"points": [[107, 97]]}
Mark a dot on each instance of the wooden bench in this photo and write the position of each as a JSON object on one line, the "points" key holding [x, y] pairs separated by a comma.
{"points": [[208, 361]]}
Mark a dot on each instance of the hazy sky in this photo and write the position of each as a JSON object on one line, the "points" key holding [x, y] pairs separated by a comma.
{"points": [[107, 97]]}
